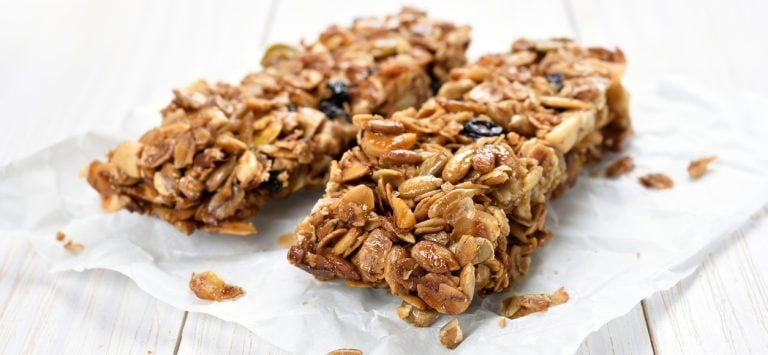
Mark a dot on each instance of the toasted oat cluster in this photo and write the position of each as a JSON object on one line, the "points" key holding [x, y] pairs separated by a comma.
{"points": [[449, 201], [222, 150]]}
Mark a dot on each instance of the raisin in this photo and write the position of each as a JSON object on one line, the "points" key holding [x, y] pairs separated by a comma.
{"points": [[477, 128], [556, 80], [332, 110], [273, 185], [339, 92], [435, 86]]}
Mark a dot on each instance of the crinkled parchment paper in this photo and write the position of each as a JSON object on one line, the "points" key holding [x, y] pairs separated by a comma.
{"points": [[600, 227]]}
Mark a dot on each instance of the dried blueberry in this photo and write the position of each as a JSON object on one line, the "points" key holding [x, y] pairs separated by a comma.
{"points": [[556, 80], [477, 128], [273, 185], [435, 85], [331, 109], [339, 92]]}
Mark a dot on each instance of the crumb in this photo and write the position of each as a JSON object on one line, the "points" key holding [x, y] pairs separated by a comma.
{"points": [[346, 352], [60, 236], [286, 240], [74, 248], [305, 302], [637, 254], [697, 168], [656, 181], [208, 286], [523, 305], [358, 284], [417, 317], [503, 323], [620, 167], [451, 335]]}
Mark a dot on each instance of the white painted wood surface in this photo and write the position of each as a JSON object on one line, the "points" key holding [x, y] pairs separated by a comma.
{"points": [[67, 66]]}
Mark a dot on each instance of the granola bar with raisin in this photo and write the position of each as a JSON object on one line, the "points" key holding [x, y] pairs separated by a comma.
{"points": [[449, 201], [223, 150]]}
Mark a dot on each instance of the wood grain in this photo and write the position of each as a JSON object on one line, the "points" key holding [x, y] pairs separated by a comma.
{"points": [[75, 313], [204, 334], [625, 335], [722, 307]]}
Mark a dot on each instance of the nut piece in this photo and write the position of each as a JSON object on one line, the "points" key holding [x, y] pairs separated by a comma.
{"points": [[74, 248], [459, 187], [360, 194], [417, 317], [451, 335], [346, 351], [656, 181], [126, 158], [620, 167], [404, 217], [208, 286], [503, 323], [523, 305], [434, 257], [419, 185], [697, 168]]}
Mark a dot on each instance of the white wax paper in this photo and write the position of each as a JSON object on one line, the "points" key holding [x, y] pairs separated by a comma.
{"points": [[615, 241]]}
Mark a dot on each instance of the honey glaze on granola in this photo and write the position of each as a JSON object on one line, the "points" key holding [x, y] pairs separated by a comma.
{"points": [[448, 201], [222, 150]]}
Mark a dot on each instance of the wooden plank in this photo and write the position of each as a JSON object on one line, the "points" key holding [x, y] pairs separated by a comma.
{"points": [[204, 334], [75, 313], [625, 335], [722, 307]]}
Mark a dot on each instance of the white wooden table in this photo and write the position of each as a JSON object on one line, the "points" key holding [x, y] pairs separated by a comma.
{"points": [[69, 66]]}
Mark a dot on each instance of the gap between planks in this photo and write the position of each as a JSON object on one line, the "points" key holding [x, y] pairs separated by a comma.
{"points": [[268, 24], [647, 326], [574, 25], [181, 332]]}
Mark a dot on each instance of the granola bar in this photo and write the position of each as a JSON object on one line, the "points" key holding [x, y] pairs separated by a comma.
{"points": [[223, 150], [448, 201]]}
